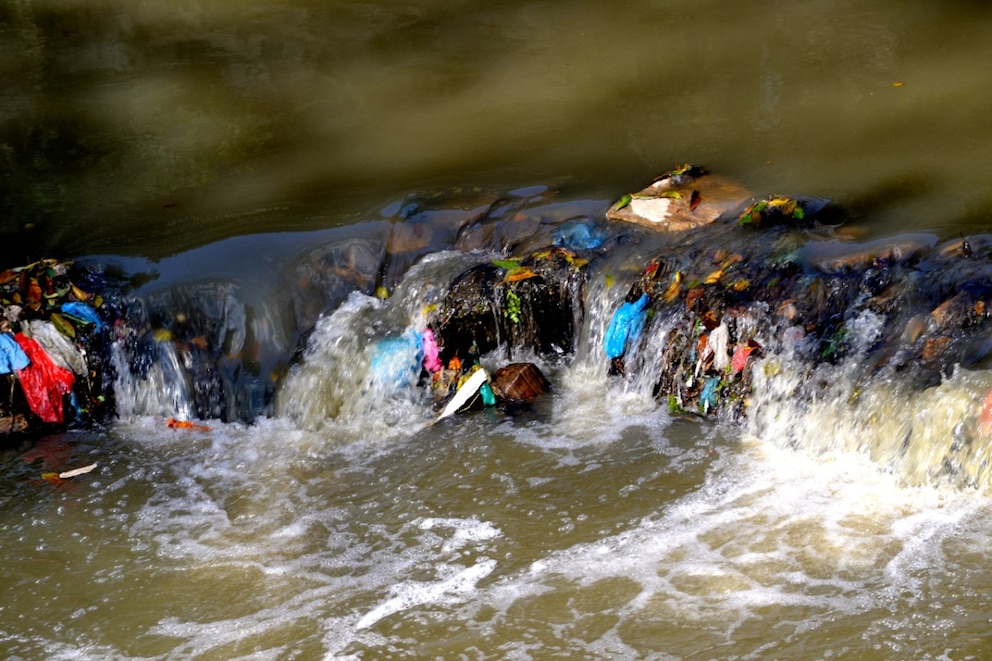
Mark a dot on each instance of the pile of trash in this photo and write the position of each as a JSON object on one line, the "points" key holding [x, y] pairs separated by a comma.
{"points": [[52, 340], [701, 279]]}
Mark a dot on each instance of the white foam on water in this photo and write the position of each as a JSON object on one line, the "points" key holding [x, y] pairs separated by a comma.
{"points": [[772, 530], [925, 436], [241, 507], [454, 585]]}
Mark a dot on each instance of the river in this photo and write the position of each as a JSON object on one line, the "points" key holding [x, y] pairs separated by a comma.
{"points": [[231, 151]]}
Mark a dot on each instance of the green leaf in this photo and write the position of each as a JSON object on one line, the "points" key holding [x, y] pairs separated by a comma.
{"points": [[507, 264], [512, 306], [624, 201]]}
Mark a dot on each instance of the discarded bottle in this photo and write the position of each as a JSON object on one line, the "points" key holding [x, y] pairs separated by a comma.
{"points": [[625, 327]]}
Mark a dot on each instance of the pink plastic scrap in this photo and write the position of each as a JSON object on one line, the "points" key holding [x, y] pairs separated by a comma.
{"points": [[43, 382], [432, 361]]}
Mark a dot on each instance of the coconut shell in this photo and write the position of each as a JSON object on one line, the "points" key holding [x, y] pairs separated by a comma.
{"points": [[519, 383]]}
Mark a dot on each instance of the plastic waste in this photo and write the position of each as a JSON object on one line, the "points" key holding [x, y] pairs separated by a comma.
{"points": [[12, 356], [60, 348], [432, 360], [579, 235], [43, 382], [488, 396], [708, 398], [465, 392], [625, 327], [83, 312], [741, 353], [396, 361], [719, 340]]}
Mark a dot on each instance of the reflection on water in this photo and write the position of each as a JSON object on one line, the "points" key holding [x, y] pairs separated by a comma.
{"points": [[145, 128]]}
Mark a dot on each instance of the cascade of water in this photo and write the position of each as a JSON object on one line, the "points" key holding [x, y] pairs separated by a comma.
{"points": [[164, 389], [809, 341]]}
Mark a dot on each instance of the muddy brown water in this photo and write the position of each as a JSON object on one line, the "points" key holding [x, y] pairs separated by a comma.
{"points": [[198, 140]]}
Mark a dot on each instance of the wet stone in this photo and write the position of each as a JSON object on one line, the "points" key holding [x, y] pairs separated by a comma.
{"points": [[680, 200], [326, 275]]}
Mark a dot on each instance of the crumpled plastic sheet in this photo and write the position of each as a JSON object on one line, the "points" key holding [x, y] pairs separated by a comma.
{"points": [[60, 348], [625, 327], [82, 312], [43, 382], [12, 357], [432, 360]]}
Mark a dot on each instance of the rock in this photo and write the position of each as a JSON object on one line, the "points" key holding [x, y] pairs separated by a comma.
{"points": [[13, 424], [533, 303], [680, 200], [324, 277]]}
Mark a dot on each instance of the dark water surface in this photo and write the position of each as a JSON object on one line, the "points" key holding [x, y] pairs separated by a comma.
{"points": [[227, 147], [148, 128]]}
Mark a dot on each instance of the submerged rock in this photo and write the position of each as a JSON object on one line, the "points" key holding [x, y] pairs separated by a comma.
{"points": [[533, 304]]}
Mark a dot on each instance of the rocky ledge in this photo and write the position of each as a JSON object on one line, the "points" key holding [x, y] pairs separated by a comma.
{"points": [[723, 278]]}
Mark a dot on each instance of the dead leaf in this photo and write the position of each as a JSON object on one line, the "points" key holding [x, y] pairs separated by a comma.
{"points": [[521, 273], [713, 277], [79, 293], [62, 325]]}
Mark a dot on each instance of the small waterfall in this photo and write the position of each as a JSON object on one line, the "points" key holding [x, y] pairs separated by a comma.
{"points": [[797, 337], [163, 389], [361, 365], [937, 435]]}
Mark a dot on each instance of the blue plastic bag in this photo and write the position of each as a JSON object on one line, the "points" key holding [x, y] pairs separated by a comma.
{"points": [[82, 312], [625, 327], [12, 356], [396, 360], [579, 235]]}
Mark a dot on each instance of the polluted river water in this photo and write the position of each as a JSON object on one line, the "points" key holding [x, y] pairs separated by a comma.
{"points": [[270, 154]]}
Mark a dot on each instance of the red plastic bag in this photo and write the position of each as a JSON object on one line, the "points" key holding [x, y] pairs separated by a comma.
{"points": [[43, 382]]}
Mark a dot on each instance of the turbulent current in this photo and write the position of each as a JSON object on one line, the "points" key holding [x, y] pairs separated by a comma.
{"points": [[346, 522]]}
